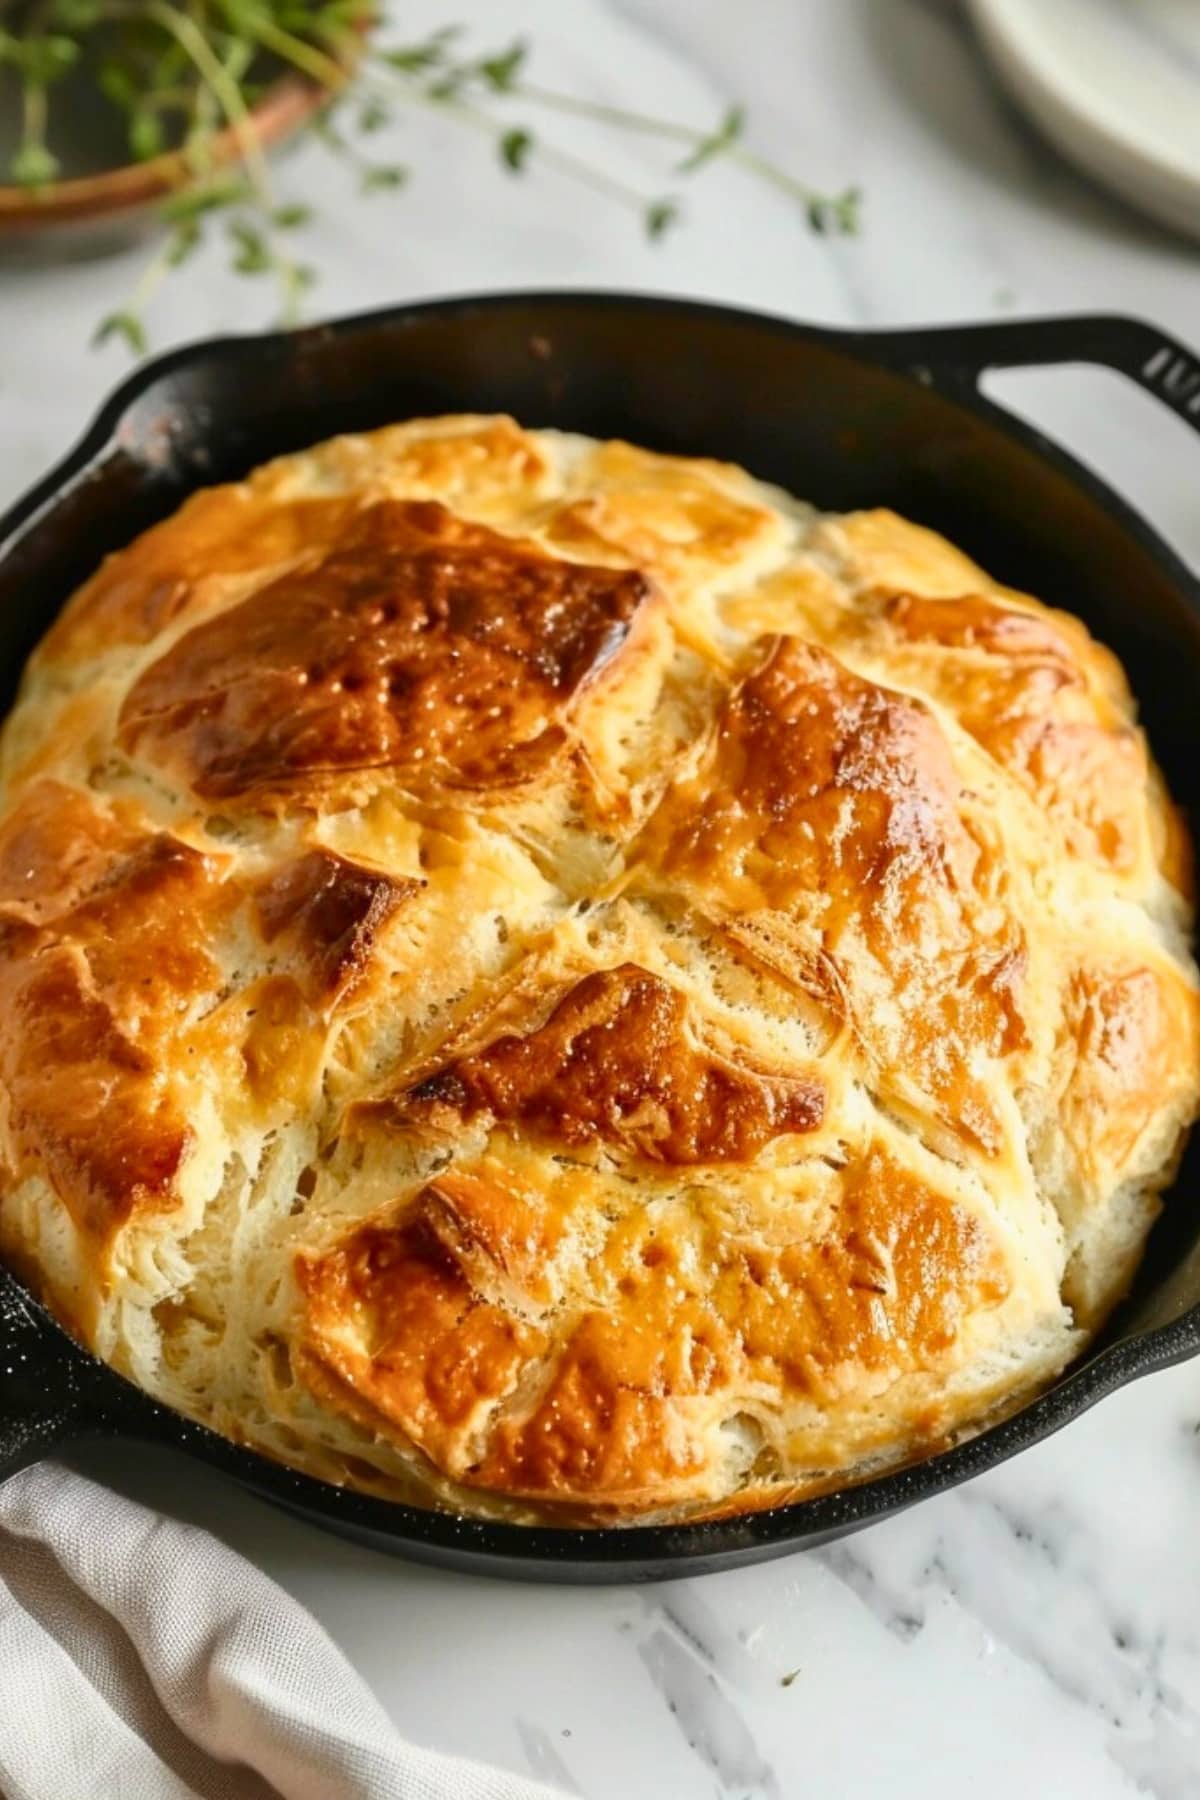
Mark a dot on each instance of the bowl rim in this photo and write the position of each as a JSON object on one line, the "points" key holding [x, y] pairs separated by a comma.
{"points": [[286, 106]]}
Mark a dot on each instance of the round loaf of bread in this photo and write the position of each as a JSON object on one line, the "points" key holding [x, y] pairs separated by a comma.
{"points": [[560, 982]]}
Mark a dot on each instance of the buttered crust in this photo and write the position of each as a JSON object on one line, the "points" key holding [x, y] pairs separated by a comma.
{"points": [[559, 982]]}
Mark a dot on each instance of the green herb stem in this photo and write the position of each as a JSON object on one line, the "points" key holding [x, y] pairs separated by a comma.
{"points": [[778, 178], [603, 114], [225, 88], [624, 119], [35, 110], [191, 39], [144, 288], [208, 61], [550, 155], [325, 70], [579, 170], [34, 115]]}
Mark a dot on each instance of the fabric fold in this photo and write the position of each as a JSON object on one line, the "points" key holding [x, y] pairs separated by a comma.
{"points": [[142, 1659]]}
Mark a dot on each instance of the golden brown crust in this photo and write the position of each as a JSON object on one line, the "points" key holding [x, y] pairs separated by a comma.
{"points": [[826, 822], [436, 649], [623, 1409], [328, 911], [218, 534], [1133, 1046], [615, 1063], [1024, 697], [555, 981], [103, 937]]}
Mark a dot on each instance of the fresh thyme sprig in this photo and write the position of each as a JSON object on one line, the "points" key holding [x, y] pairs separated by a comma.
{"points": [[180, 73], [502, 75]]}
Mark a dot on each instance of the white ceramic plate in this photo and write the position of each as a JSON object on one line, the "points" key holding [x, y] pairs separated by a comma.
{"points": [[1115, 84]]}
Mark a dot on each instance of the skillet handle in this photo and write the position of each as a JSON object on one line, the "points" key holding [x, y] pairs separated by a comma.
{"points": [[958, 355]]}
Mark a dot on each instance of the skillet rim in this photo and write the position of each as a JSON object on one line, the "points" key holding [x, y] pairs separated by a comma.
{"points": [[96, 1401]]}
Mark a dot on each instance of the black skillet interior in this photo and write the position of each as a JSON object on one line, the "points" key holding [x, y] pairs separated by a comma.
{"points": [[846, 419]]}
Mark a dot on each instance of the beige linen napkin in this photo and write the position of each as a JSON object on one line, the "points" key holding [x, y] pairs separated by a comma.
{"points": [[141, 1659]]}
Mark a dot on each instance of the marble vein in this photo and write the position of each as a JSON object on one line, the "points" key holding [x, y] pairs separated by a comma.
{"points": [[544, 1758], [710, 1723]]}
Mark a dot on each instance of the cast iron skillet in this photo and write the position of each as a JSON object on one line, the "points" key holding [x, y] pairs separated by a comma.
{"points": [[845, 418]]}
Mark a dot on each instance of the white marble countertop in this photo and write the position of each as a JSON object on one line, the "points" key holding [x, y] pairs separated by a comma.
{"points": [[1038, 1631]]}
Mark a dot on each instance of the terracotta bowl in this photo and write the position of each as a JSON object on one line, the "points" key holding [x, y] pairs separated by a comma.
{"points": [[87, 211]]}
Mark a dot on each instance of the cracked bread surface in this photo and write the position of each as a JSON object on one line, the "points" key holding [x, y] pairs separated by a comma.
{"points": [[562, 983]]}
